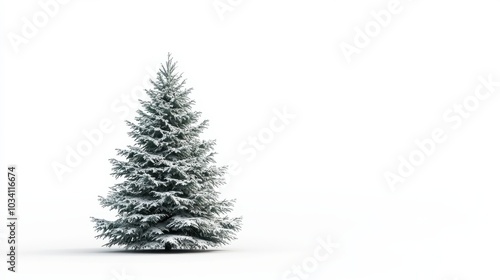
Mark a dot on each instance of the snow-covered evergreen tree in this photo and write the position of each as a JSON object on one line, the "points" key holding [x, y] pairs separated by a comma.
{"points": [[168, 197]]}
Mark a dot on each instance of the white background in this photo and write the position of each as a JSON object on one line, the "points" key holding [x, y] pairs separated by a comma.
{"points": [[321, 176]]}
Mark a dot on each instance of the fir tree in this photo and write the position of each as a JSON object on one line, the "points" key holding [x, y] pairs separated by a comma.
{"points": [[168, 197]]}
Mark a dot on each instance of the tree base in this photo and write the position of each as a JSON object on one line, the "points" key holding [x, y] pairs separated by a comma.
{"points": [[168, 247]]}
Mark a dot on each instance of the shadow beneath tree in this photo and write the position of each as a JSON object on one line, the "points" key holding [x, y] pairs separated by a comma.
{"points": [[117, 251], [159, 251]]}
